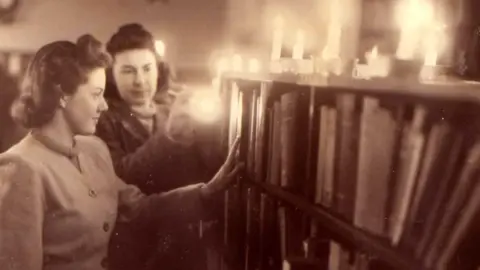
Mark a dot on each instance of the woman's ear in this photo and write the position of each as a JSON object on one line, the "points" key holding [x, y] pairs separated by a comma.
{"points": [[64, 100]]}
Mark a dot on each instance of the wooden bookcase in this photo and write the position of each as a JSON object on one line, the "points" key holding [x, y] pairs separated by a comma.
{"points": [[352, 174]]}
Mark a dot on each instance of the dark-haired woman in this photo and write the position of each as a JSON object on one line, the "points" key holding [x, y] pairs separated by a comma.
{"points": [[137, 129], [59, 194]]}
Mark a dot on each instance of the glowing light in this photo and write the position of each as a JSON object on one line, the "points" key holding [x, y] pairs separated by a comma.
{"points": [[223, 65], [420, 16], [434, 43], [374, 53], [420, 13], [160, 48], [253, 65], [277, 39], [299, 45], [278, 22], [237, 63], [205, 106], [377, 65]]}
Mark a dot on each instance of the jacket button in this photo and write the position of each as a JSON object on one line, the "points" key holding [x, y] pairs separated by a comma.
{"points": [[104, 263], [106, 226]]}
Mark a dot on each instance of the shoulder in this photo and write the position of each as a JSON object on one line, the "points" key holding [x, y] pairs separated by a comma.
{"points": [[25, 153], [13, 159], [18, 172]]}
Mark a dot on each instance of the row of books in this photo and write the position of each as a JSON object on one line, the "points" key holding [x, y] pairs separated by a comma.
{"points": [[403, 172]]}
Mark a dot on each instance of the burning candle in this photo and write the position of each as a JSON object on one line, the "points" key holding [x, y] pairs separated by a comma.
{"points": [[371, 56], [222, 66], [277, 38], [253, 65], [378, 65], [434, 43], [334, 31], [299, 46], [431, 58]]}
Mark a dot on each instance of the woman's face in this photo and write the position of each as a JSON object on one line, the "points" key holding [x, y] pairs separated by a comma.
{"points": [[136, 73], [82, 109]]}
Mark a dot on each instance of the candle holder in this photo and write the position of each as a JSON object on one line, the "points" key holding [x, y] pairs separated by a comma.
{"points": [[293, 66]]}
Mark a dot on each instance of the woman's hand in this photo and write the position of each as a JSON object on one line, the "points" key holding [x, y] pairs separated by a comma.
{"points": [[227, 173]]}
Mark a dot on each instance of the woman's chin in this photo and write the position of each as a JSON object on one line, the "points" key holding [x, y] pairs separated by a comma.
{"points": [[86, 131]]}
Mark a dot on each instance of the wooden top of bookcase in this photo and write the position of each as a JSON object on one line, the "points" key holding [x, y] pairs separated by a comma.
{"points": [[451, 90]]}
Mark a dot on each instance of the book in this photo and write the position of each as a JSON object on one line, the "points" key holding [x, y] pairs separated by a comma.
{"points": [[410, 157], [376, 146], [347, 149]]}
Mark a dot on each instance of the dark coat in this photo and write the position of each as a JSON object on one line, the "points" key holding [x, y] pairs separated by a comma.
{"points": [[154, 163]]}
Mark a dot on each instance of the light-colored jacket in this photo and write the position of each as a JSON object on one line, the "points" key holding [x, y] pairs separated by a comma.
{"points": [[49, 217]]}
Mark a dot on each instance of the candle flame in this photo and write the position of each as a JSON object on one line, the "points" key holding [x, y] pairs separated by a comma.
{"points": [[374, 53], [222, 66], [160, 48], [434, 43], [277, 38], [298, 48]]}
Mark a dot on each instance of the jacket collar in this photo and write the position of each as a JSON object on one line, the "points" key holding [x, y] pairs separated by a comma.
{"points": [[130, 122], [52, 144]]}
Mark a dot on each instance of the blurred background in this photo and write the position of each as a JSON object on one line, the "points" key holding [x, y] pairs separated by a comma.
{"points": [[196, 34]]}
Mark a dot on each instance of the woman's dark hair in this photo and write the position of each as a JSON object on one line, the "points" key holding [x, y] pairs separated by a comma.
{"points": [[129, 37], [134, 36], [57, 69]]}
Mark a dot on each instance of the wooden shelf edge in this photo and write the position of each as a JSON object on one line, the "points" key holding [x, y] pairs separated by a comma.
{"points": [[451, 90], [356, 236]]}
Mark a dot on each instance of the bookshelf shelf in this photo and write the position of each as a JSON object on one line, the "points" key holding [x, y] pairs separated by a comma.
{"points": [[348, 232], [373, 174], [455, 91]]}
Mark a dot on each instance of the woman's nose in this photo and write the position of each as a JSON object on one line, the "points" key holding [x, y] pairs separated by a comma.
{"points": [[103, 105], [139, 78]]}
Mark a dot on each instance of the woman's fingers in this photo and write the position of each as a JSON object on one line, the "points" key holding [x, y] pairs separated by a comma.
{"points": [[235, 170], [232, 154]]}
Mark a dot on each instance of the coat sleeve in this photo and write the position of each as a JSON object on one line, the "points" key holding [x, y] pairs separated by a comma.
{"points": [[135, 166], [21, 215], [184, 204]]}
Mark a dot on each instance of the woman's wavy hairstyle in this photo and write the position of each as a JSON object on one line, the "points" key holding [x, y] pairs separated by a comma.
{"points": [[57, 69]]}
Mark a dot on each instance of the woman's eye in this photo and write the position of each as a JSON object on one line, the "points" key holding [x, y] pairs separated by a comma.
{"points": [[127, 71]]}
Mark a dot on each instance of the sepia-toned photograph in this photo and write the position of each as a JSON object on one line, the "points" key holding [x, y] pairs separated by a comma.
{"points": [[239, 135]]}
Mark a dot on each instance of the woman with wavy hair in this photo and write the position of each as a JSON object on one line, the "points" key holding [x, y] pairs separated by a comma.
{"points": [[59, 194]]}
